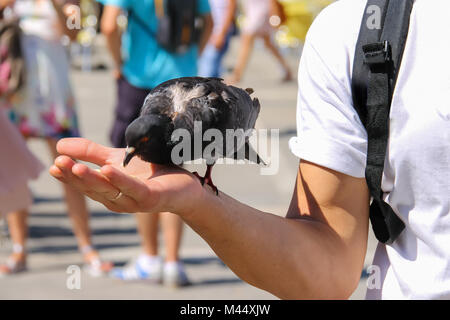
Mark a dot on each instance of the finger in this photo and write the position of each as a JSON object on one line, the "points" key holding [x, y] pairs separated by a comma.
{"points": [[85, 150], [62, 170], [56, 172], [100, 189], [64, 164], [124, 204], [130, 186], [94, 182]]}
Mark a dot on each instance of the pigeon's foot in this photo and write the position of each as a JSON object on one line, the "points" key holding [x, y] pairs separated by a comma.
{"points": [[210, 183], [207, 179]]}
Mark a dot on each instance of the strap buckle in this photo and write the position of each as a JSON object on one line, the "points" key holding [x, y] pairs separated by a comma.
{"points": [[377, 53]]}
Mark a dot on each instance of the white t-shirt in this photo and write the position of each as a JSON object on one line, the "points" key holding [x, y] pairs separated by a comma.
{"points": [[416, 180], [38, 18]]}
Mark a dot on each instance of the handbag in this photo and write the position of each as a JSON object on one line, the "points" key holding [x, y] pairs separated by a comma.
{"points": [[12, 62]]}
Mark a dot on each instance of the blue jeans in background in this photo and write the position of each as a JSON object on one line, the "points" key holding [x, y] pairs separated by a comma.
{"points": [[210, 62]]}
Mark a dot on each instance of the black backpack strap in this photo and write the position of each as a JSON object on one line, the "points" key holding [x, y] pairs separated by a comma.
{"points": [[134, 17], [378, 58], [177, 25]]}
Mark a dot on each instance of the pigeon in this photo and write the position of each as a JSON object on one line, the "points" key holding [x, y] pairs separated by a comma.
{"points": [[179, 104]]}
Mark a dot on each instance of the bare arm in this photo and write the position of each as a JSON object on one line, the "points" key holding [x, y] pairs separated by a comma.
{"points": [[316, 252], [111, 31], [5, 3], [64, 11], [219, 39], [206, 33]]}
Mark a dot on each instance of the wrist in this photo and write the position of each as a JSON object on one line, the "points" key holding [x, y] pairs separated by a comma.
{"points": [[117, 72], [118, 65], [190, 200], [199, 202], [222, 35]]}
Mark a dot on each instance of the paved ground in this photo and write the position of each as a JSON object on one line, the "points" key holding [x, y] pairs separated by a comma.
{"points": [[53, 246]]}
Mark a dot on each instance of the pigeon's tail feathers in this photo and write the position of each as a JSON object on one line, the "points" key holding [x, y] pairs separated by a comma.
{"points": [[254, 113], [250, 154]]}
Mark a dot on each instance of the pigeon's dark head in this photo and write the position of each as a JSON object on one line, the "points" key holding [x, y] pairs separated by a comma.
{"points": [[149, 137]]}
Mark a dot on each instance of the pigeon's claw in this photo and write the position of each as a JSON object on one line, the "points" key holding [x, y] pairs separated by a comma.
{"points": [[199, 177], [207, 179], [209, 182]]}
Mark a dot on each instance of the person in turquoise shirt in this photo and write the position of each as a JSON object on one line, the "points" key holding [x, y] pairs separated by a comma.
{"points": [[141, 64], [145, 63]]}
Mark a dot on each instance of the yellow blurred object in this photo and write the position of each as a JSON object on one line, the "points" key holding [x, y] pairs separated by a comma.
{"points": [[300, 15], [89, 22]]}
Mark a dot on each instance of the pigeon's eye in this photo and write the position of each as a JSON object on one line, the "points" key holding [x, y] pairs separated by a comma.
{"points": [[143, 140]]}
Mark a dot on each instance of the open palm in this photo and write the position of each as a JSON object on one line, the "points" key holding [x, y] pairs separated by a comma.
{"points": [[140, 187]]}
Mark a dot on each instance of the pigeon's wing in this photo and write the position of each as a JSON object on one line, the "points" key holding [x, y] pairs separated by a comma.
{"points": [[157, 102], [187, 82], [245, 113], [249, 154], [244, 110], [199, 99], [161, 99], [192, 98]]}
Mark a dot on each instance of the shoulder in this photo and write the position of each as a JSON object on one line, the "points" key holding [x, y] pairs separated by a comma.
{"points": [[333, 35], [342, 14], [337, 25]]}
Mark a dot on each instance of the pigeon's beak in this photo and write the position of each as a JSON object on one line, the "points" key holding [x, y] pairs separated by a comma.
{"points": [[129, 154]]}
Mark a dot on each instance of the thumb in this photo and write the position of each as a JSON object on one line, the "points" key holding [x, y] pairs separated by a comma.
{"points": [[84, 150]]}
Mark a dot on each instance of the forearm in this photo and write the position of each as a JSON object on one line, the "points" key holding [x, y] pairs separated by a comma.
{"points": [[229, 18], [113, 42], [112, 34], [61, 10], [206, 34], [293, 259]]}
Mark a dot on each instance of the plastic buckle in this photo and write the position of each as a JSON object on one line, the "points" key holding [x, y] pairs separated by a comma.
{"points": [[377, 53]]}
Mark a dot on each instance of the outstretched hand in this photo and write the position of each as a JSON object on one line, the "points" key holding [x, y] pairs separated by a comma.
{"points": [[140, 187]]}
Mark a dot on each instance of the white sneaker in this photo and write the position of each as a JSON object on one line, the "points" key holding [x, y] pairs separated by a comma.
{"points": [[143, 268], [174, 275]]}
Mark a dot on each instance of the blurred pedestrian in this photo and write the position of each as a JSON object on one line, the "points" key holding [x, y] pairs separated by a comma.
{"points": [[45, 108], [257, 14], [144, 65], [223, 14], [17, 167]]}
